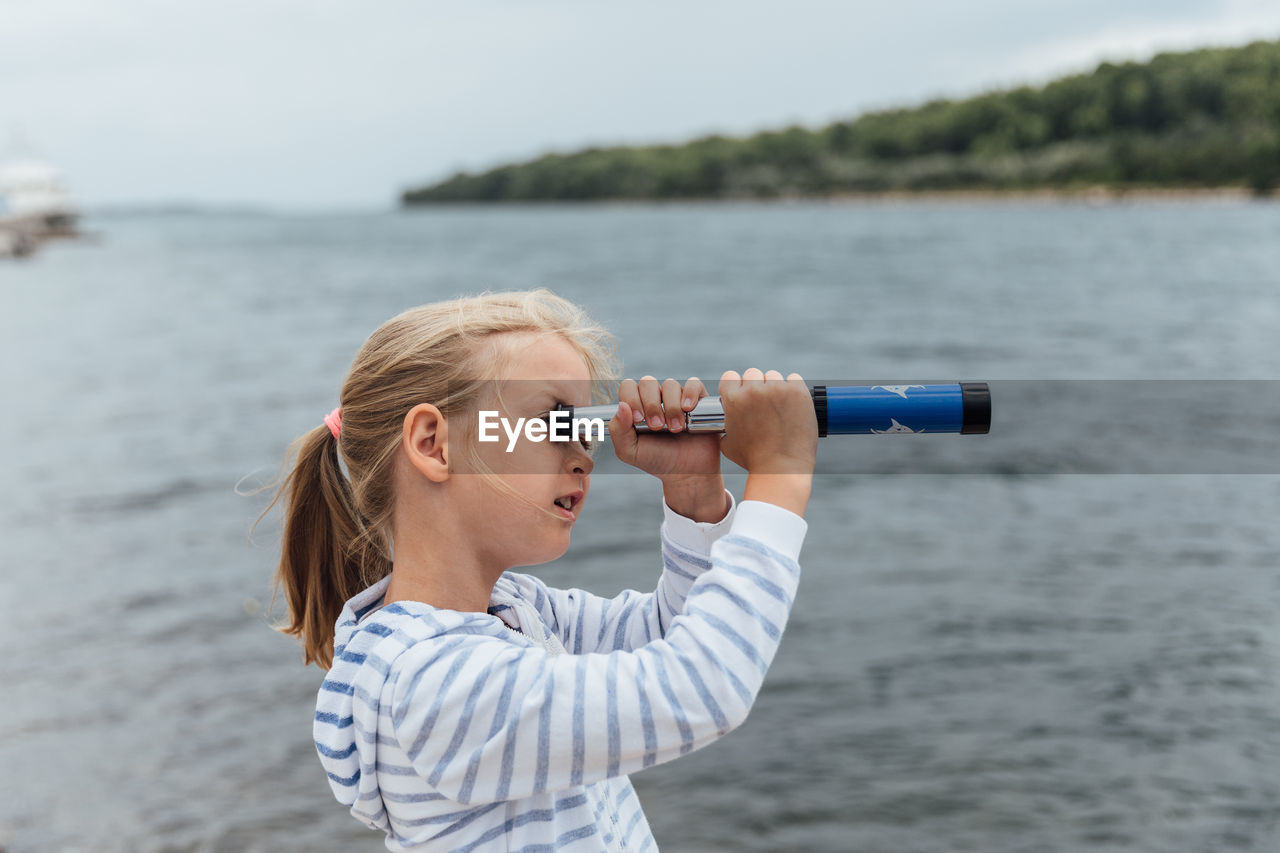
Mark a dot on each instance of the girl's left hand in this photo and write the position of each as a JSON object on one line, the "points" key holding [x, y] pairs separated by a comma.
{"points": [[672, 454]]}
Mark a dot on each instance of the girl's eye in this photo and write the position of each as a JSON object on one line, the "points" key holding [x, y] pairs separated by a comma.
{"points": [[587, 443]]}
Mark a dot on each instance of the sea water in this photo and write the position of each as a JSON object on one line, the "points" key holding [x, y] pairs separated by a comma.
{"points": [[1021, 658]]}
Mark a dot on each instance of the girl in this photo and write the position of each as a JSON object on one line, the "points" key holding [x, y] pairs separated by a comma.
{"points": [[469, 707]]}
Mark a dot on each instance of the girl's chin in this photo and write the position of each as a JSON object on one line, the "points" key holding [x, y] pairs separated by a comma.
{"points": [[555, 552], [542, 546]]}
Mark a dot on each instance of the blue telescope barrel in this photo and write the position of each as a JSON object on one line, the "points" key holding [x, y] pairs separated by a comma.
{"points": [[958, 407]]}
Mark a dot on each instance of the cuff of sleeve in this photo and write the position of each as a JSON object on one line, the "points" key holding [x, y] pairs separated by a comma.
{"points": [[696, 536], [780, 529]]}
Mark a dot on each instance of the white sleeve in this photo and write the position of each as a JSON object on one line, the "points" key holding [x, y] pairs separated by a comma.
{"points": [[485, 721], [587, 623]]}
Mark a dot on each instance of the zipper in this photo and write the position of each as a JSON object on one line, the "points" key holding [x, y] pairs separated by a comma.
{"points": [[537, 634], [613, 813]]}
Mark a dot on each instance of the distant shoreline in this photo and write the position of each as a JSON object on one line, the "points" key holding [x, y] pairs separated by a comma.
{"points": [[1097, 195], [1088, 195]]}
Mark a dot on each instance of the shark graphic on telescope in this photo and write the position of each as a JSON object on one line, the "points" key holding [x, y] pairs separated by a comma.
{"points": [[900, 390], [897, 429]]}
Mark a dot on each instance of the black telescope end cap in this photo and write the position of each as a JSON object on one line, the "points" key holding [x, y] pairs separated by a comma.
{"points": [[819, 393], [975, 399]]}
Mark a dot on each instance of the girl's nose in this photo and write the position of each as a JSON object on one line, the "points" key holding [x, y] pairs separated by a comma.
{"points": [[580, 462]]}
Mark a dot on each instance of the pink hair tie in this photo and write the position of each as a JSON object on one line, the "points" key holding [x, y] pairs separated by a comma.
{"points": [[333, 421]]}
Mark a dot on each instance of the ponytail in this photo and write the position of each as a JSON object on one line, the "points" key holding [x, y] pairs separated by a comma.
{"points": [[326, 558]]}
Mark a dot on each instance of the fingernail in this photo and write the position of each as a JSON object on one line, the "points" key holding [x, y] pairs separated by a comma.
{"points": [[675, 424], [637, 416], [655, 422], [687, 401]]}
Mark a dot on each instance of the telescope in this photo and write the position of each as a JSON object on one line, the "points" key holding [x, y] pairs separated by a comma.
{"points": [[957, 407]]}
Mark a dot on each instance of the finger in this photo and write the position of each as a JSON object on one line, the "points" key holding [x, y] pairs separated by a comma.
{"points": [[795, 377], [752, 374], [622, 433], [729, 381], [694, 391], [651, 401], [671, 392], [772, 376], [628, 393]]}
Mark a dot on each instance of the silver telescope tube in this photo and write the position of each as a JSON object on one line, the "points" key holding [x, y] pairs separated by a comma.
{"points": [[706, 416]]}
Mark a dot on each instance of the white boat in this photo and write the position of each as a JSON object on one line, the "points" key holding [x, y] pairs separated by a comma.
{"points": [[34, 200]]}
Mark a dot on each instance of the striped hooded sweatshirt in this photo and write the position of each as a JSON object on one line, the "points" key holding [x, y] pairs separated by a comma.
{"points": [[515, 729]]}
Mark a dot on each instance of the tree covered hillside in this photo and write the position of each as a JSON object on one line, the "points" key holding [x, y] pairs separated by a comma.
{"points": [[1206, 118]]}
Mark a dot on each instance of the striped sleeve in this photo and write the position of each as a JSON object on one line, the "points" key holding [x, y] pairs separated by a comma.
{"points": [[587, 623], [483, 720]]}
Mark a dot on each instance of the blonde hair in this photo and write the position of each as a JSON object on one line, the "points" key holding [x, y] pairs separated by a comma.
{"points": [[337, 530]]}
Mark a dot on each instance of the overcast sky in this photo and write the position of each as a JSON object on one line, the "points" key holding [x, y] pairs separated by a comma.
{"points": [[316, 104]]}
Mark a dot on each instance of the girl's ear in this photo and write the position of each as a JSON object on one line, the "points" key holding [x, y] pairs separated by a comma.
{"points": [[426, 442]]}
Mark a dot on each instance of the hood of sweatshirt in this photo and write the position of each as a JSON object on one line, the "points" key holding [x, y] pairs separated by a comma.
{"points": [[368, 637]]}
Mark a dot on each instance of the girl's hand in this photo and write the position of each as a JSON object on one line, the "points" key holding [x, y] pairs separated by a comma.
{"points": [[672, 456], [772, 431], [769, 422]]}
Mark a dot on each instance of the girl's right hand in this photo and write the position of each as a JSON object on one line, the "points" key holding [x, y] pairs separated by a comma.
{"points": [[770, 423]]}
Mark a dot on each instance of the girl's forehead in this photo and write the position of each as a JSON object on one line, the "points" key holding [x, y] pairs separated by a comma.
{"points": [[545, 370], [547, 357]]}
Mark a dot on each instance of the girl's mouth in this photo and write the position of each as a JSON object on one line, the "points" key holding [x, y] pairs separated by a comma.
{"points": [[565, 504]]}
